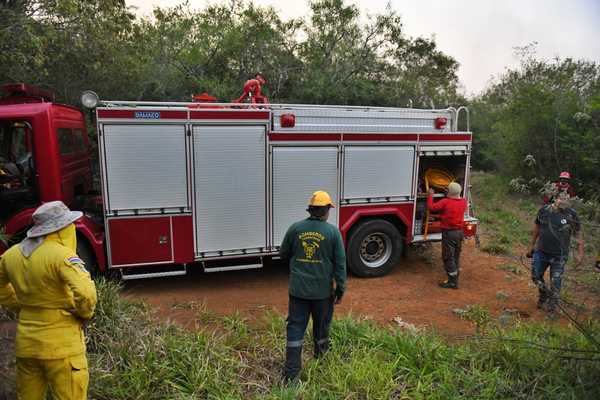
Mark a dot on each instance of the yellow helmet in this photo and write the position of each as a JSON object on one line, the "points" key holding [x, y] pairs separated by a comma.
{"points": [[320, 198]]}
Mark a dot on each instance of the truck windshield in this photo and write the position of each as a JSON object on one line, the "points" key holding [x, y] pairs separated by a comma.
{"points": [[15, 146], [16, 166]]}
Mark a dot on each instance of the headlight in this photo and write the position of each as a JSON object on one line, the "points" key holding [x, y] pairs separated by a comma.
{"points": [[89, 99]]}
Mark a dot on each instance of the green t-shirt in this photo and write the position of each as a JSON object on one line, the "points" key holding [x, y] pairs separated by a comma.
{"points": [[315, 251]]}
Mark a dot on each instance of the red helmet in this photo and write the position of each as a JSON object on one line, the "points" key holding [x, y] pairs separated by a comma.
{"points": [[565, 175]]}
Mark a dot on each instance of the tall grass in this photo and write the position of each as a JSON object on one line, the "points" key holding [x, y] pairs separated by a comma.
{"points": [[132, 356], [506, 220]]}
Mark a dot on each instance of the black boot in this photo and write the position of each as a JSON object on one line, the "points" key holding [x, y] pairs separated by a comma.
{"points": [[321, 348], [552, 296], [542, 299], [293, 363], [451, 283]]}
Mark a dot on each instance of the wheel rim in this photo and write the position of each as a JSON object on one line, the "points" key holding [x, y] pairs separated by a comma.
{"points": [[376, 249]]}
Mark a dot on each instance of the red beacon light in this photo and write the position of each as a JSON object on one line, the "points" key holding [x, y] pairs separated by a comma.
{"points": [[440, 122], [204, 100], [25, 90], [287, 120]]}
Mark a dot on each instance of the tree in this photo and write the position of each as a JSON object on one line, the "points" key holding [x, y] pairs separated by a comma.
{"points": [[68, 44], [346, 62], [329, 57], [218, 48], [545, 109]]}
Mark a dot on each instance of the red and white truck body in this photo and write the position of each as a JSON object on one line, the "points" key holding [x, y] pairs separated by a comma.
{"points": [[198, 183], [217, 185]]}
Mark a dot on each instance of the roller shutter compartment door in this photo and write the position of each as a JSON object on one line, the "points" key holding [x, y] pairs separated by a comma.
{"points": [[443, 150], [297, 173], [230, 189], [145, 167], [374, 172]]}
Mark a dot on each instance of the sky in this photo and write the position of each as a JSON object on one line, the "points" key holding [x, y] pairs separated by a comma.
{"points": [[480, 34]]}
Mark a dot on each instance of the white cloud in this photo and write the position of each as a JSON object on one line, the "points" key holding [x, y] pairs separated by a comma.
{"points": [[479, 34]]}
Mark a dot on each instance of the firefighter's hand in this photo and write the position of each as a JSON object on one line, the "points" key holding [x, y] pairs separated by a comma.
{"points": [[337, 298], [431, 192], [529, 254]]}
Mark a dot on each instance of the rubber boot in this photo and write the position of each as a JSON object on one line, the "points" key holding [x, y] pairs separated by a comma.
{"points": [[542, 299], [293, 363], [451, 283], [552, 304], [321, 349]]}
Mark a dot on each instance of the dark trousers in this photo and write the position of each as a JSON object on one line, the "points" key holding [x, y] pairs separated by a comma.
{"points": [[451, 247], [299, 310], [539, 264]]}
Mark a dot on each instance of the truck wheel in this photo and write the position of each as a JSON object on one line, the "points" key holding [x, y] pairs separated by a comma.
{"points": [[374, 248]]}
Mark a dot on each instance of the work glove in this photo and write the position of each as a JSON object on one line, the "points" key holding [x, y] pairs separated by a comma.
{"points": [[337, 297]]}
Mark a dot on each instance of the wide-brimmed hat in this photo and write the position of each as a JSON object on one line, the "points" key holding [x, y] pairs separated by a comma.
{"points": [[454, 190], [51, 217]]}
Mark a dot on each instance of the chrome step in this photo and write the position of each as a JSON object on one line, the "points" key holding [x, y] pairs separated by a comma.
{"points": [[182, 270], [233, 268], [432, 237]]}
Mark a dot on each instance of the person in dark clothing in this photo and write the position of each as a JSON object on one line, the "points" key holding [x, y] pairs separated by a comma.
{"points": [[316, 256], [452, 217], [554, 225]]}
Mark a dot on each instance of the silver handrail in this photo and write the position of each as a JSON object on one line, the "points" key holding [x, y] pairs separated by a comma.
{"points": [[468, 118], [253, 106], [454, 117]]}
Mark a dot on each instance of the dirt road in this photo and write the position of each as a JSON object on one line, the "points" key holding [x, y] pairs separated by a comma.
{"points": [[409, 292]]}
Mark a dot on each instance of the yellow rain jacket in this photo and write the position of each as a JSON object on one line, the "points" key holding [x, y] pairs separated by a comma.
{"points": [[53, 293]]}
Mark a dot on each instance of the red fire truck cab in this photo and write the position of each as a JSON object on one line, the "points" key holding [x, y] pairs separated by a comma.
{"points": [[45, 155], [216, 185]]}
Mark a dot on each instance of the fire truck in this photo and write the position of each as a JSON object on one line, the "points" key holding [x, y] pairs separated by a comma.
{"points": [[215, 185]]}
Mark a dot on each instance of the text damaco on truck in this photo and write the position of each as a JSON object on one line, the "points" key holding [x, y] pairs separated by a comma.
{"points": [[215, 185]]}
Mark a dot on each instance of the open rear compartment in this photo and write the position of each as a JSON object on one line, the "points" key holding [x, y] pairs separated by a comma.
{"points": [[445, 166]]}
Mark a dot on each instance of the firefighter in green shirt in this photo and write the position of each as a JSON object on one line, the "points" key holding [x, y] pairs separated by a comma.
{"points": [[315, 251]]}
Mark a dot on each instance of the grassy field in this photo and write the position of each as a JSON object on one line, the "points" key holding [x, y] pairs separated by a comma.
{"points": [[134, 357]]}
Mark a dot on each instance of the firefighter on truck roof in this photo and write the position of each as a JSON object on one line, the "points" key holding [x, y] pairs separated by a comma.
{"points": [[315, 251], [46, 282]]}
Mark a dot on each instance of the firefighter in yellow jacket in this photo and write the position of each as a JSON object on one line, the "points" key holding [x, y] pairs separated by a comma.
{"points": [[45, 281]]}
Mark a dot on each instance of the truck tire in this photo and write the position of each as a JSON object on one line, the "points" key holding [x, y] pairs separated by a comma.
{"points": [[374, 248]]}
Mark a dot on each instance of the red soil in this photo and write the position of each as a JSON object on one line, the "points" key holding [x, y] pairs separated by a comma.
{"points": [[410, 292]]}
